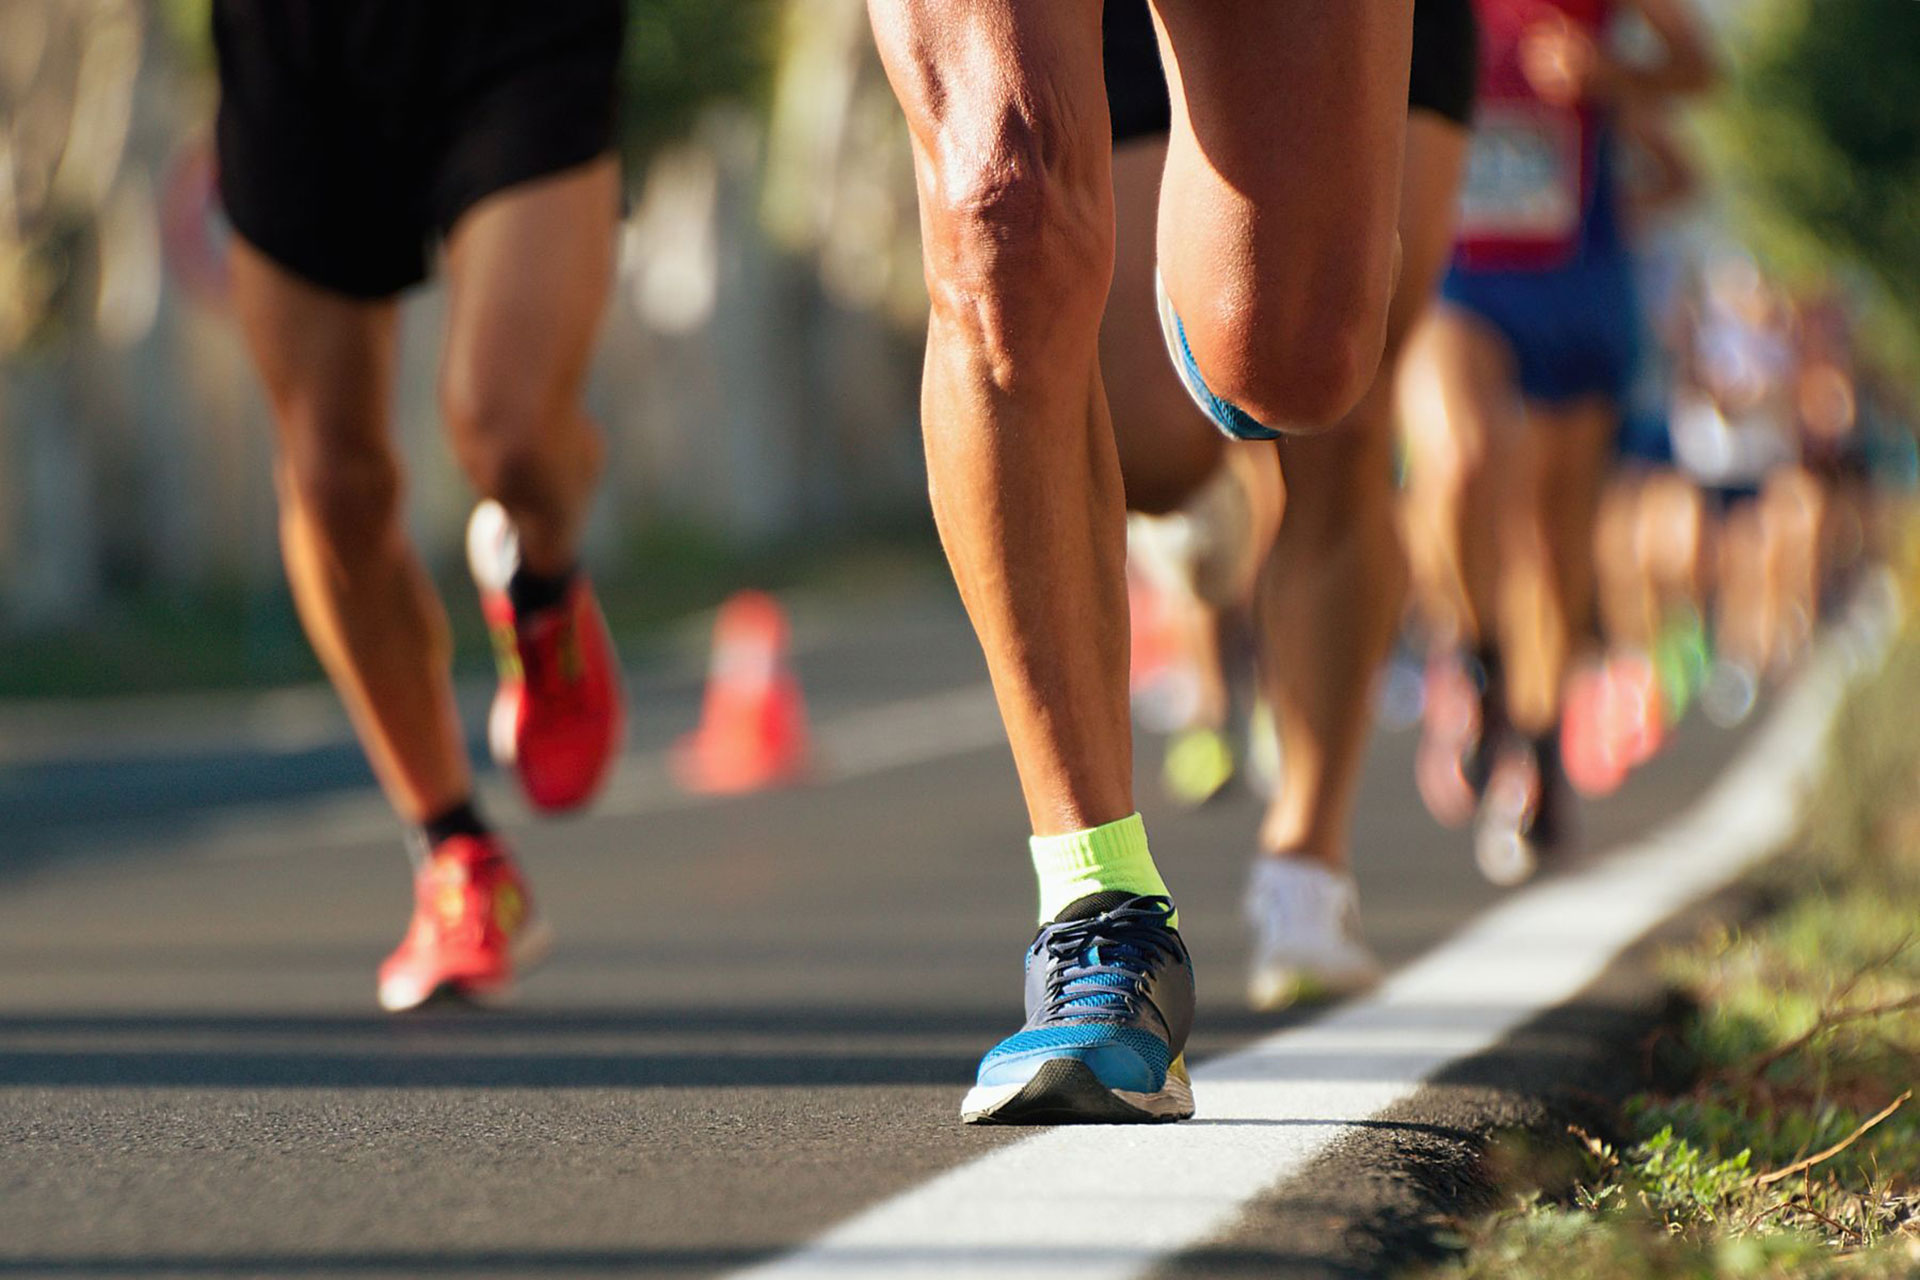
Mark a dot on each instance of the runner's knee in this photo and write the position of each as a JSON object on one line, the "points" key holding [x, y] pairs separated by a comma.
{"points": [[506, 432], [348, 494], [1295, 363], [1019, 253]]}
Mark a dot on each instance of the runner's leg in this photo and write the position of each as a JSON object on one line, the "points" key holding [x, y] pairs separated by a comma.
{"points": [[528, 271], [1463, 419], [1547, 580], [1007, 110], [1006, 106], [1168, 449], [1008, 115], [1332, 589], [367, 605]]}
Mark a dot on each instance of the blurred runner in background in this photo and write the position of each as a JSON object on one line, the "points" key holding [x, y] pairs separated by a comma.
{"points": [[1328, 578], [357, 137], [1514, 389], [1651, 539], [1734, 434], [1277, 256]]}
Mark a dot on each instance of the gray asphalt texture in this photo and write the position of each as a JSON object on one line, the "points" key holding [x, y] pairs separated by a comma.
{"points": [[760, 1017]]}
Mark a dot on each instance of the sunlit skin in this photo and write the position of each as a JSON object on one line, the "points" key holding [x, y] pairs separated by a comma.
{"points": [[1652, 546], [1283, 281], [1331, 584], [1331, 596], [1652, 535], [528, 274]]}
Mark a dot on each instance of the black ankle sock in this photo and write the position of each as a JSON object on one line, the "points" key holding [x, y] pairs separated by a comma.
{"points": [[531, 592], [462, 819]]}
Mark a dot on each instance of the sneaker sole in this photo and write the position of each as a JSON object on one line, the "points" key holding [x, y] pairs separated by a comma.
{"points": [[532, 947], [1065, 1091]]}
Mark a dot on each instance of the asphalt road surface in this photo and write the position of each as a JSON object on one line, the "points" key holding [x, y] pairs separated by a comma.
{"points": [[760, 1018]]}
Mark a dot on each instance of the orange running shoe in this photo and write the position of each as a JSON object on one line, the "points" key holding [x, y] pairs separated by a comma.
{"points": [[473, 928], [559, 717]]}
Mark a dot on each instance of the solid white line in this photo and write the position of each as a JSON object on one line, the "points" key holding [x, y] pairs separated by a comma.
{"points": [[1101, 1203]]}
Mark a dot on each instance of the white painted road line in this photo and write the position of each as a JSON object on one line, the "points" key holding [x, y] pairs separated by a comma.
{"points": [[1100, 1203]]}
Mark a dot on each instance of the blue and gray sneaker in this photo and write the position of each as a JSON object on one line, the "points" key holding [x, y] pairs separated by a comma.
{"points": [[1109, 1006]]}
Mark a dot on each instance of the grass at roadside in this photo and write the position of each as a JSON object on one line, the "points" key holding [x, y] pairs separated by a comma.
{"points": [[1794, 1148]]}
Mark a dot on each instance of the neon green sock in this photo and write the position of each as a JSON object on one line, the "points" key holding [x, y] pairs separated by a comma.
{"points": [[1099, 859]]}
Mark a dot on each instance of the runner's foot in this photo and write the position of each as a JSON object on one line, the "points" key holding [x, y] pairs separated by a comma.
{"points": [[559, 716], [473, 929], [1307, 944], [1523, 818], [1109, 1006]]}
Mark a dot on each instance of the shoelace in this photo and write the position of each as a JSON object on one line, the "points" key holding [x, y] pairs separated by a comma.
{"points": [[1095, 966]]}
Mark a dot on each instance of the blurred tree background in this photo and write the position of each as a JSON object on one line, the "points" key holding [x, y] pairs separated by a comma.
{"points": [[1818, 140]]}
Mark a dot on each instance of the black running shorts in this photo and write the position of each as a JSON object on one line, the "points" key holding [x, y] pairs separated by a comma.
{"points": [[1446, 65], [353, 134]]}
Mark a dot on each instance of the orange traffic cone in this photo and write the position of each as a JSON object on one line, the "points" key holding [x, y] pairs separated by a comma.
{"points": [[753, 726]]}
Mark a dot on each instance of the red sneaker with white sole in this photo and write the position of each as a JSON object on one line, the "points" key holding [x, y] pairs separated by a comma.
{"points": [[473, 929], [559, 717]]}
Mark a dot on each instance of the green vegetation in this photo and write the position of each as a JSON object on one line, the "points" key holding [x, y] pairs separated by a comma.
{"points": [[685, 55], [1820, 140], [1795, 1149]]}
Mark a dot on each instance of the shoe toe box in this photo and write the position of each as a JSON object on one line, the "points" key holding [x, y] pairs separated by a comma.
{"points": [[1123, 1058]]}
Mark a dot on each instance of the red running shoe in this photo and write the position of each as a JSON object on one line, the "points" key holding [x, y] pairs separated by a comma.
{"points": [[473, 927], [1615, 722], [559, 717]]}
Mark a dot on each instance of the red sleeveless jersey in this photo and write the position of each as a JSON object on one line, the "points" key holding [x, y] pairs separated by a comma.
{"points": [[1531, 169]]}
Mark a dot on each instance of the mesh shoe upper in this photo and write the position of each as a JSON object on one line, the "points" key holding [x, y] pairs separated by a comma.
{"points": [[1110, 984], [470, 906]]}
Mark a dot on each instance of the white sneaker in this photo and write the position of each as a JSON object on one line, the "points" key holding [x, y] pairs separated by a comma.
{"points": [[1306, 929]]}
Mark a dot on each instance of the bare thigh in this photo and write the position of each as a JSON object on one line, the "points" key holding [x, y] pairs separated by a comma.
{"points": [[328, 364], [528, 272]]}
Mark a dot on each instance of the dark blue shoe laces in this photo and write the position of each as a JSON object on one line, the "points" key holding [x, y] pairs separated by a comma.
{"points": [[1095, 966]]}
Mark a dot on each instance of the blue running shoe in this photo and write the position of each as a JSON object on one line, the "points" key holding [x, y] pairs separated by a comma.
{"points": [[1109, 1006]]}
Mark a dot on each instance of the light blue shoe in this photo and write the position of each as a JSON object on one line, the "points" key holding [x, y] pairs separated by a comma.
{"points": [[1109, 1008]]}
